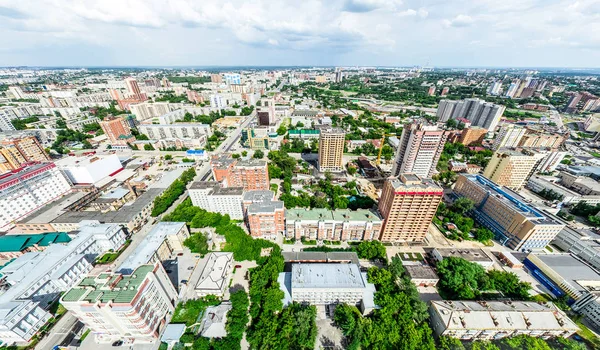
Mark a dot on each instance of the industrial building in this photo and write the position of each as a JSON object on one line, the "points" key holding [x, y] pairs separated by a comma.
{"points": [[89, 169]]}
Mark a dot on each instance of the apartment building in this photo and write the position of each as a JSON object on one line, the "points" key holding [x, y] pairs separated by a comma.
{"points": [[177, 131], [515, 223], [27, 189], [331, 149], [419, 149], [509, 136], [34, 280], [146, 110], [117, 130], [28, 147], [539, 139], [472, 135], [489, 320], [327, 283], [264, 215], [511, 168], [478, 112], [210, 196], [332, 225], [251, 174], [408, 204], [129, 307]]}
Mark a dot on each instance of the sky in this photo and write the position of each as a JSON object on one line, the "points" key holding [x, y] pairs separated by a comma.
{"points": [[438, 33]]}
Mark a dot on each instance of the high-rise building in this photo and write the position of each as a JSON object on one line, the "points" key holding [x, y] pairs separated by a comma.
{"points": [[27, 189], [144, 111], [444, 91], [508, 136], [515, 223], [117, 130], [539, 139], [419, 150], [232, 78], [17, 92], [27, 148], [217, 101], [512, 89], [478, 112], [494, 89], [134, 89], [408, 204], [472, 135], [431, 90], [571, 106], [331, 149], [210, 196], [339, 75], [511, 168], [117, 306]]}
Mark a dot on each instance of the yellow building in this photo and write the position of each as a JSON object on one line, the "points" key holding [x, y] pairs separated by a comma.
{"points": [[331, 149], [511, 168]]}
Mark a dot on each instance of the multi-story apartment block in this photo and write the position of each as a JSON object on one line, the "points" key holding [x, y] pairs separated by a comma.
{"points": [[419, 150], [217, 101], [27, 189], [494, 88], [472, 135], [264, 215], [515, 223], [134, 89], [331, 149], [408, 204], [117, 130], [488, 320], [508, 136], [478, 112], [512, 168], [535, 138], [251, 174], [178, 131], [130, 307], [143, 111], [210, 196], [34, 280], [28, 147], [334, 225], [232, 78]]}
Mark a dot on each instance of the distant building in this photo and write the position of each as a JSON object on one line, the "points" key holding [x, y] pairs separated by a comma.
{"points": [[515, 223], [408, 204], [419, 151], [129, 307], [431, 91], [89, 169], [210, 196], [472, 135], [146, 110], [216, 78], [489, 320], [215, 275], [494, 89], [445, 91], [117, 129], [134, 89], [217, 101], [334, 225], [476, 111], [511, 168], [508, 136], [232, 78], [17, 151], [331, 149]]}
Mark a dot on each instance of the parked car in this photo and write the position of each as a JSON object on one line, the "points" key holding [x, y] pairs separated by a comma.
{"points": [[117, 343], [238, 266], [180, 254], [184, 281], [190, 268]]}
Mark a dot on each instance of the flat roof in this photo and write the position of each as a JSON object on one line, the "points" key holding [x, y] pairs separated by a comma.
{"points": [[147, 248], [320, 275], [510, 315], [470, 254], [17, 243], [570, 268], [83, 160], [201, 185], [265, 207], [258, 196], [320, 214], [215, 272], [421, 272], [320, 257], [53, 210]]}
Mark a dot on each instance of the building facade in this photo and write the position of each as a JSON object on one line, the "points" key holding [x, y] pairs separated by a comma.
{"points": [[408, 204], [251, 174], [511, 168], [264, 215], [478, 112], [331, 149], [210, 196], [419, 150], [333, 225], [508, 136], [117, 130]]}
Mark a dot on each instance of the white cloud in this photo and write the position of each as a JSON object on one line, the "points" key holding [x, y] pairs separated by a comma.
{"points": [[459, 21]]}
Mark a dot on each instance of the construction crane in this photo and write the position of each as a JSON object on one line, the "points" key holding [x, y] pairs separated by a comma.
{"points": [[382, 143]]}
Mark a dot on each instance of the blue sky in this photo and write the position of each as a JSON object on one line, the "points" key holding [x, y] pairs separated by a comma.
{"points": [[520, 33]]}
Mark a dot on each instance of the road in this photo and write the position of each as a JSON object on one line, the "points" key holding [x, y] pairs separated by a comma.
{"points": [[61, 330]]}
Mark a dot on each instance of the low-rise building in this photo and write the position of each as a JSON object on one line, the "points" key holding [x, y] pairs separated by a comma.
{"points": [[130, 307], [336, 225], [473, 320], [325, 284], [214, 321], [215, 275], [13, 246], [422, 275], [473, 255]]}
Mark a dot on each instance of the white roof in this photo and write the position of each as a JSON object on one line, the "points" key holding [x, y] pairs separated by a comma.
{"points": [[215, 272], [214, 320], [326, 276]]}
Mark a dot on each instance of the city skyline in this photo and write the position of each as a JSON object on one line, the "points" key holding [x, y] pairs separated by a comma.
{"points": [[339, 33]]}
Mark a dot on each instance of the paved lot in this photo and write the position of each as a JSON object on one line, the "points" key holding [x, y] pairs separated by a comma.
{"points": [[89, 343], [328, 335], [240, 273]]}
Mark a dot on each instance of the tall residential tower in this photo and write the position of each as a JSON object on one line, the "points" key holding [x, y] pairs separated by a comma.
{"points": [[419, 150]]}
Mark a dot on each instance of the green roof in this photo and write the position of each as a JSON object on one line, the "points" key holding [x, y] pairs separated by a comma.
{"points": [[17, 243], [102, 288], [328, 215], [304, 132]]}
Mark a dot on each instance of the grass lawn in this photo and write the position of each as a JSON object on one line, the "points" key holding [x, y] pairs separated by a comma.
{"points": [[84, 335], [410, 256], [595, 154], [588, 335], [109, 257]]}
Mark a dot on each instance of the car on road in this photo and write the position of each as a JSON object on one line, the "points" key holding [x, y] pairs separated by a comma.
{"points": [[180, 254], [117, 343], [238, 266], [168, 271], [184, 281], [190, 268]]}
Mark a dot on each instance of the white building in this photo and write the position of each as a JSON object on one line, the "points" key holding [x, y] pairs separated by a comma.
{"points": [[214, 321], [217, 101], [27, 189], [215, 275], [327, 283], [147, 110], [508, 136], [178, 130], [89, 169], [34, 280], [581, 243], [473, 255], [538, 183], [160, 243], [128, 307], [209, 196], [473, 320]]}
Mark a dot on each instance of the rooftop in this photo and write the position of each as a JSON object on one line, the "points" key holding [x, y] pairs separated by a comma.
{"points": [[215, 272], [214, 321], [104, 288], [515, 315], [265, 207], [84, 160], [330, 257], [421, 272], [259, 196], [473, 254], [27, 171], [319, 214], [320, 275], [147, 248], [570, 269], [412, 182], [17, 243]]}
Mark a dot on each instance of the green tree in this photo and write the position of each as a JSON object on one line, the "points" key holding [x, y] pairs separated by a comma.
{"points": [[258, 154], [235, 156], [149, 147], [449, 343], [371, 250], [461, 279], [281, 130], [462, 205], [244, 153], [168, 157]]}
